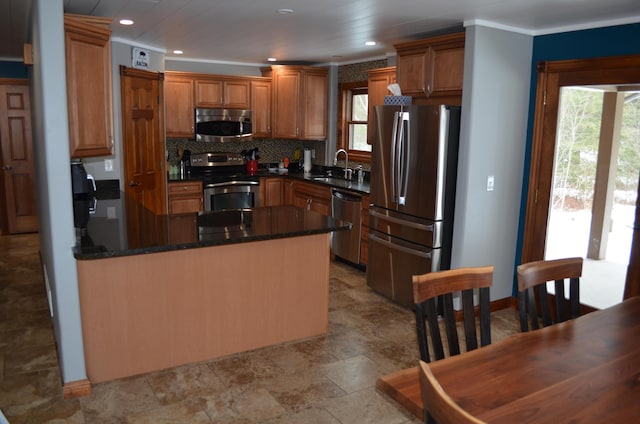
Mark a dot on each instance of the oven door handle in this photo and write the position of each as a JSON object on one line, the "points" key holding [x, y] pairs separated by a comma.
{"points": [[235, 183]]}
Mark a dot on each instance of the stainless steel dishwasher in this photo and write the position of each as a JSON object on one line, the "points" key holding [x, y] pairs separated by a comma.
{"points": [[347, 206]]}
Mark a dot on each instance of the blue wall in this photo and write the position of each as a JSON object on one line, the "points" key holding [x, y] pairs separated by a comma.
{"points": [[602, 42], [13, 70]]}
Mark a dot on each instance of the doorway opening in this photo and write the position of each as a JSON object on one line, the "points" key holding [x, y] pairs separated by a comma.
{"points": [[595, 186]]}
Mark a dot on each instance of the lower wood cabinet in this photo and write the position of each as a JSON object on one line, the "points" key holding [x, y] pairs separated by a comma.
{"points": [[313, 197], [185, 197], [272, 191], [364, 235]]}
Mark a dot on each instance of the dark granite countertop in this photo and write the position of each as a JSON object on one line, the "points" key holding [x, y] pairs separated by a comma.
{"points": [[318, 175], [120, 226]]}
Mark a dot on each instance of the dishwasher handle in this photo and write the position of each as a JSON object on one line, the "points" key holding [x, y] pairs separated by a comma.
{"points": [[348, 197]]}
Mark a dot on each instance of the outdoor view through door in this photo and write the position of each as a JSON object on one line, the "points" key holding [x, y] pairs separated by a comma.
{"points": [[595, 185]]}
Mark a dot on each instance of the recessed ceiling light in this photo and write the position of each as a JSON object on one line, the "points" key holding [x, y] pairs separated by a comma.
{"points": [[126, 22], [178, 52], [272, 59], [370, 43], [285, 11]]}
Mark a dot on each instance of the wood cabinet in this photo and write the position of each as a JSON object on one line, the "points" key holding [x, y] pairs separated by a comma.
{"points": [[364, 236], [314, 197], [185, 197], [433, 67], [89, 94], [261, 107], [272, 191], [179, 105], [299, 105], [231, 93], [378, 80]]}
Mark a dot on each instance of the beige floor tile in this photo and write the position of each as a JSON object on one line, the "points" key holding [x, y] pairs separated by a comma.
{"points": [[325, 379]]}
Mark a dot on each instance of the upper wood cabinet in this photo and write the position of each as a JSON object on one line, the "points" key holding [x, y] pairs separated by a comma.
{"points": [[179, 105], [231, 93], [261, 107], [432, 67], [89, 94], [299, 102], [378, 81]]}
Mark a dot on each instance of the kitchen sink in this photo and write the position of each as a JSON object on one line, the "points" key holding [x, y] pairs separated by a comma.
{"points": [[330, 180]]}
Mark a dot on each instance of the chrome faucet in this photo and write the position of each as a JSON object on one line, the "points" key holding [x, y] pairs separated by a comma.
{"points": [[347, 171]]}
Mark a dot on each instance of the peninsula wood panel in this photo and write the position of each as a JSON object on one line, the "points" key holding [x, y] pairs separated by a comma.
{"points": [[149, 312]]}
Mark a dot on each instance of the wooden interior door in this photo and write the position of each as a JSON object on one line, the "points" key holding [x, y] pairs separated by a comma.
{"points": [[19, 214], [145, 177], [551, 77]]}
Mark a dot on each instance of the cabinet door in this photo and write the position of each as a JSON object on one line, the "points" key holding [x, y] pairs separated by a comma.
{"points": [[314, 106], [273, 192], [237, 94], [209, 93], [378, 81], [89, 98], [412, 70], [261, 108], [286, 104], [432, 67], [448, 68], [221, 93], [179, 106], [364, 239], [312, 197], [185, 197]]}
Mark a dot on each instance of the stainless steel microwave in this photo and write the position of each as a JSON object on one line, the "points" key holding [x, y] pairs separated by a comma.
{"points": [[221, 125]]}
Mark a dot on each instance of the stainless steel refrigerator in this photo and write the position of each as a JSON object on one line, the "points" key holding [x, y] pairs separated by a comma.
{"points": [[413, 178]]}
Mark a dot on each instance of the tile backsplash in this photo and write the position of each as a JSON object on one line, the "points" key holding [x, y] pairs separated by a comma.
{"points": [[270, 151]]}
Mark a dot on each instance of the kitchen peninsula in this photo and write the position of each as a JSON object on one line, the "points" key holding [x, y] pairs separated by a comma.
{"points": [[159, 291]]}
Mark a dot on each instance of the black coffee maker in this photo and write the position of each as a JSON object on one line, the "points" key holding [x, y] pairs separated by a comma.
{"points": [[83, 188], [82, 184]]}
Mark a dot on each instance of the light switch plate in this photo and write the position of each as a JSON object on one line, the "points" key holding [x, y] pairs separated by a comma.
{"points": [[108, 165]]}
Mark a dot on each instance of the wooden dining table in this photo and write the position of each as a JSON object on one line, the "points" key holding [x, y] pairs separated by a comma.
{"points": [[586, 370]]}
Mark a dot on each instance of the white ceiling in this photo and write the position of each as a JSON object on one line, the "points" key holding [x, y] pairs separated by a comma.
{"points": [[318, 31]]}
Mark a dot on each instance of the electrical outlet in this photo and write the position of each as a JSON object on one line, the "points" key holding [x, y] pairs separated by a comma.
{"points": [[108, 165], [490, 183]]}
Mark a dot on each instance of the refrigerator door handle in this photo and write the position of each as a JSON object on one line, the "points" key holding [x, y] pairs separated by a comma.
{"points": [[404, 158], [403, 222], [392, 163], [414, 252]]}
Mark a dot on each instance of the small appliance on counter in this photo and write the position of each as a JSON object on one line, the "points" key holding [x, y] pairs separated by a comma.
{"points": [[82, 184], [83, 187]]}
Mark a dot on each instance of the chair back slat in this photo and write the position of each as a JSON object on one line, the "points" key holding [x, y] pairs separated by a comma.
{"points": [[440, 287], [533, 278], [468, 317]]}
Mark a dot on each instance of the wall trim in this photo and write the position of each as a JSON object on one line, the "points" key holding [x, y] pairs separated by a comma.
{"points": [[76, 389]]}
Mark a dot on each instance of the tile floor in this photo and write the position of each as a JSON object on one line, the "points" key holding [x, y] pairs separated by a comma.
{"points": [[328, 379]]}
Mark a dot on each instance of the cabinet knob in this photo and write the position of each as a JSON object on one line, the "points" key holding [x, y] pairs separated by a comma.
{"points": [[134, 184]]}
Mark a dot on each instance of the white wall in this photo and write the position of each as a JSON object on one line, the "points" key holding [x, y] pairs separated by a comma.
{"points": [[53, 173], [495, 98]]}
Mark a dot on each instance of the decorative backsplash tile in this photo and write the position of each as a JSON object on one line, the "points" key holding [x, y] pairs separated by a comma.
{"points": [[358, 71], [270, 151]]}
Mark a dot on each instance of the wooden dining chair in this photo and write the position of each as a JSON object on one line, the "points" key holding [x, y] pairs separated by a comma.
{"points": [[441, 407], [532, 282], [428, 288]]}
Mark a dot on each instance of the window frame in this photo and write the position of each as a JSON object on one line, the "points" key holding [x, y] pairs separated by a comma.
{"points": [[344, 118]]}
